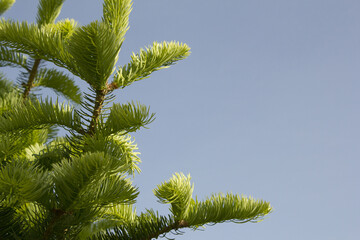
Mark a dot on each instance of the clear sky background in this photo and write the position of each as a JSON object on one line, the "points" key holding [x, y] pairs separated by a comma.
{"points": [[267, 105]]}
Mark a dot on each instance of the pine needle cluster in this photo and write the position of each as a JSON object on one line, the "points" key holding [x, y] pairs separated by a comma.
{"points": [[79, 186]]}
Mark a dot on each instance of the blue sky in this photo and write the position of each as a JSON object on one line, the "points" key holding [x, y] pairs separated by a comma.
{"points": [[267, 105]]}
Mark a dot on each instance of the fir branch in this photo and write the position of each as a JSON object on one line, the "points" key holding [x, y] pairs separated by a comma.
{"points": [[216, 209], [9, 96], [89, 181], [9, 227], [119, 147], [48, 11], [130, 117], [121, 212], [178, 192], [65, 27], [59, 82], [22, 182], [5, 5], [38, 114], [94, 50], [156, 57], [18, 144], [146, 226], [113, 216], [51, 153], [47, 42], [226, 208], [116, 16], [6, 87], [9, 57]]}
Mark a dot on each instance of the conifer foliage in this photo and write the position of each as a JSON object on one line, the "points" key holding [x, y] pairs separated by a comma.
{"points": [[79, 186]]}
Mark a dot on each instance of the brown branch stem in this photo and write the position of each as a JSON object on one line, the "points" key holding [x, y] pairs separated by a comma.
{"points": [[175, 226], [99, 103], [31, 79], [58, 214]]}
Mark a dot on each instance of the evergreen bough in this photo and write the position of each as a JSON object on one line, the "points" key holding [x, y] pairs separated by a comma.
{"points": [[78, 186]]}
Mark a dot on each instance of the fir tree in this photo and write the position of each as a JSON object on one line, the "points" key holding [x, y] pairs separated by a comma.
{"points": [[78, 186]]}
